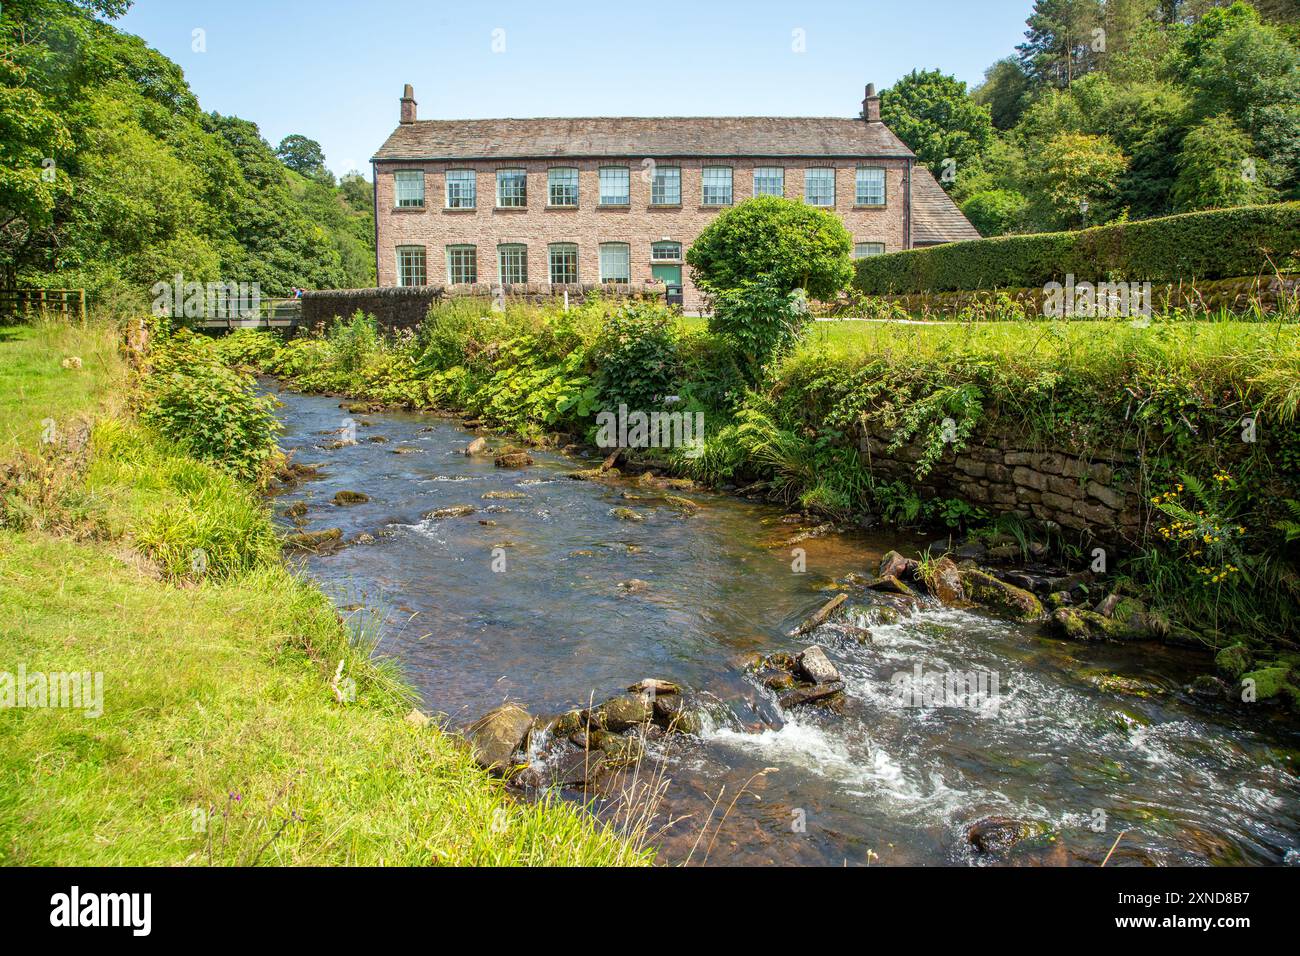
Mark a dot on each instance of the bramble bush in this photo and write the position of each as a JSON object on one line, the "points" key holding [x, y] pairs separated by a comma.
{"points": [[210, 410]]}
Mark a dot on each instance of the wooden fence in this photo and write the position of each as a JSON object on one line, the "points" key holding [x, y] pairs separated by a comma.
{"points": [[29, 303]]}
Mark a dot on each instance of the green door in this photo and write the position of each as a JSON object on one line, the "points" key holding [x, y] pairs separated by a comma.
{"points": [[668, 275]]}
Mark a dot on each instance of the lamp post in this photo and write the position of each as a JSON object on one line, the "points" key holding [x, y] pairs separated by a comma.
{"points": [[1083, 212]]}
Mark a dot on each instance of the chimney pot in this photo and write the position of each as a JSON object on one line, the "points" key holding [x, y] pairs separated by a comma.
{"points": [[408, 104], [871, 105]]}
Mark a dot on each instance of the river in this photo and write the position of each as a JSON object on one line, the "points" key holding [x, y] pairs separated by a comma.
{"points": [[872, 782]]}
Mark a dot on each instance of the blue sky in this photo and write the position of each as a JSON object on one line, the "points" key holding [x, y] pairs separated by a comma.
{"points": [[334, 70]]}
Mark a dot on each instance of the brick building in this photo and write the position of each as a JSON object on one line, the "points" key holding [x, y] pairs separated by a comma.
{"points": [[618, 200]]}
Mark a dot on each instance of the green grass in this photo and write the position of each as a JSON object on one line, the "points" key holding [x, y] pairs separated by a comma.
{"points": [[221, 739], [35, 387]]}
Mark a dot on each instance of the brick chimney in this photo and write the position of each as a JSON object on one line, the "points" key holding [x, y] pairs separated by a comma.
{"points": [[871, 105], [408, 105]]}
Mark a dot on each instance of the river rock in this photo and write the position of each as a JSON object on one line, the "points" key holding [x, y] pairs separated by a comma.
{"points": [[943, 580], [378, 439], [496, 735], [1080, 624], [405, 450], [813, 664], [1208, 687], [323, 540], [417, 719], [575, 769], [296, 510], [626, 514], [1001, 597], [1233, 660], [622, 712], [494, 495], [655, 686], [453, 511], [514, 459], [894, 565], [891, 584], [633, 586], [618, 749], [998, 834], [809, 694], [675, 714], [477, 447], [350, 497]]}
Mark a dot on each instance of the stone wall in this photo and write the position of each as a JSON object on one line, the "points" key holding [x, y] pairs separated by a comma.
{"points": [[405, 308], [1096, 493]]}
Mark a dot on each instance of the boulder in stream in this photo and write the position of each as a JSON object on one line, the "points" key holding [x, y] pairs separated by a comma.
{"points": [[477, 447], [496, 736], [797, 679], [452, 511], [350, 497], [1000, 597], [943, 580], [999, 834], [326, 539], [513, 459], [813, 664], [894, 565]]}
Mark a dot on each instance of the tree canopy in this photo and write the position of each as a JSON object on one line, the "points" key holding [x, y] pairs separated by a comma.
{"points": [[112, 176]]}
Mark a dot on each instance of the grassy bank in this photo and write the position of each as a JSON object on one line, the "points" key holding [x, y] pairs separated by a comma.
{"points": [[1175, 392], [242, 721]]}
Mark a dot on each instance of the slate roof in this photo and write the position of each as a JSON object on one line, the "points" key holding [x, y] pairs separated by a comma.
{"points": [[935, 217], [640, 136]]}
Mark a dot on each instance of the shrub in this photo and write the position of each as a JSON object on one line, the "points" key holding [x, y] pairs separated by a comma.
{"points": [[637, 356], [793, 244], [210, 411], [1202, 245], [762, 320]]}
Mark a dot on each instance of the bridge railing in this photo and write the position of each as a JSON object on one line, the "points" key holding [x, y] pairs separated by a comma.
{"points": [[271, 313]]}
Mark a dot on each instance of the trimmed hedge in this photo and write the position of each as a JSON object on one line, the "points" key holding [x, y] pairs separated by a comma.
{"points": [[1219, 244]]}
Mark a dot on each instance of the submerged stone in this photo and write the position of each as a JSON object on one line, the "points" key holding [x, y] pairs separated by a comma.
{"points": [[350, 497]]}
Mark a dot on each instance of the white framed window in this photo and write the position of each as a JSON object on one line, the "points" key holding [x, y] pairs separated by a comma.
{"points": [[716, 186], [666, 251], [666, 186], [769, 181], [615, 186], [869, 186], [512, 188], [863, 249], [819, 186], [615, 262], [462, 192], [410, 265], [462, 265], [563, 260], [512, 263], [408, 187], [562, 186]]}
